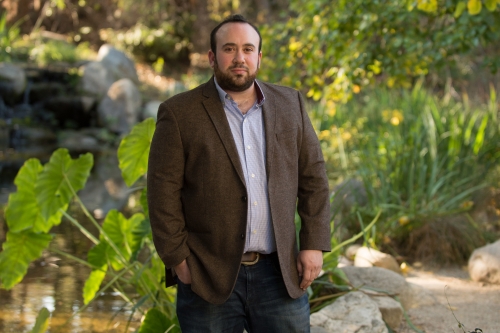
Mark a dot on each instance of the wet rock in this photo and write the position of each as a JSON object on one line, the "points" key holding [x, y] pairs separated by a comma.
{"points": [[484, 263], [120, 109], [41, 91], [117, 62], [78, 141], [354, 312], [71, 111], [105, 189], [368, 257], [12, 81], [150, 110]]}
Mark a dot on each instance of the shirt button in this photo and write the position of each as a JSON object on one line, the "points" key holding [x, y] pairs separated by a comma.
{"points": [[254, 232], [255, 203], [253, 175], [249, 147]]}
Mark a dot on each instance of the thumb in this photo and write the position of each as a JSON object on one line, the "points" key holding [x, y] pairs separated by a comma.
{"points": [[299, 267]]}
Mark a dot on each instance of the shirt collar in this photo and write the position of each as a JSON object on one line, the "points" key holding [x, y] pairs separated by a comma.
{"points": [[223, 95]]}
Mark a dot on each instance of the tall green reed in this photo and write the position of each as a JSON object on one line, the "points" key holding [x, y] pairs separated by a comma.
{"points": [[418, 156]]}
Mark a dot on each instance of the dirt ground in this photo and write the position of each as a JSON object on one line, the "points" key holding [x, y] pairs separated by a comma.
{"points": [[475, 305]]}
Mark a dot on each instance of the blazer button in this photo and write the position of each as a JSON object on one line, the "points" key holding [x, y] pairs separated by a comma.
{"points": [[242, 236], [244, 198]]}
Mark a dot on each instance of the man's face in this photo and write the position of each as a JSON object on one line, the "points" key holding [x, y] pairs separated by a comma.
{"points": [[237, 59]]}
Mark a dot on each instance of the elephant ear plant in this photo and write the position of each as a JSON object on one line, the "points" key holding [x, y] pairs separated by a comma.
{"points": [[44, 193]]}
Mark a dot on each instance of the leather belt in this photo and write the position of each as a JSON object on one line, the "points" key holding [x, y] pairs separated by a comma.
{"points": [[251, 258]]}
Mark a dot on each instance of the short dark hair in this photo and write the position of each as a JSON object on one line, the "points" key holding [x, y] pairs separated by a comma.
{"points": [[236, 18]]}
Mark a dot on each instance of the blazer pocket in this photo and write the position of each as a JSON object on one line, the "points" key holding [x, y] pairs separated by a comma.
{"points": [[287, 134]]}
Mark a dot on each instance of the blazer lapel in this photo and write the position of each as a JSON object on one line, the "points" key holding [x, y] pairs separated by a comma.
{"points": [[269, 110], [216, 113]]}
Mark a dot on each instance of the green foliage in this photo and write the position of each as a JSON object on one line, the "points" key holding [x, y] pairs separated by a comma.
{"points": [[332, 49], [23, 211], [156, 321], [47, 52], [42, 321], [19, 250], [167, 40], [8, 37], [60, 179], [133, 151], [419, 157]]}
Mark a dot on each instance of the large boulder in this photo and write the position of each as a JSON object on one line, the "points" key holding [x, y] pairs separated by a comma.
{"points": [[96, 79], [354, 312], [117, 62], [368, 257], [150, 110], [380, 280], [120, 109], [12, 81], [391, 310], [484, 263]]}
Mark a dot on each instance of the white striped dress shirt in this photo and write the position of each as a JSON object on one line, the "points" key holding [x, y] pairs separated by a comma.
{"points": [[249, 136]]}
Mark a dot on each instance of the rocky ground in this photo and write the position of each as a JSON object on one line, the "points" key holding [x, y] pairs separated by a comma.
{"points": [[475, 305]]}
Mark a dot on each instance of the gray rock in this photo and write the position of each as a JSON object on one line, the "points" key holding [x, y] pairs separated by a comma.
{"points": [[119, 110], [347, 195], [13, 78], [150, 110], [96, 79], [78, 141], [484, 263], [354, 312], [368, 257], [392, 311], [105, 189], [117, 62], [380, 280]]}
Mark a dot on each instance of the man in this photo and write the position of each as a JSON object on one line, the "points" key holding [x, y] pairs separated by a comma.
{"points": [[230, 162]]}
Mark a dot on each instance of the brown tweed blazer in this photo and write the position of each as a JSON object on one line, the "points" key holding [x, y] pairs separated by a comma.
{"points": [[197, 195]]}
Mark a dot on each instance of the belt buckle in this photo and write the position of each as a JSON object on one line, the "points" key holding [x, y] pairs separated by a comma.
{"points": [[250, 263]]}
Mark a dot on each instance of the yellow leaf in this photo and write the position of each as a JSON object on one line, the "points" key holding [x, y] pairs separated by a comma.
{"points": [[429, 6], [460, 9], [474, 7], [491, 5]]}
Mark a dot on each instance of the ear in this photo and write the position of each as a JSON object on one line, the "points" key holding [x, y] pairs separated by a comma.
{"points": [[258, 61], [211, 58]]}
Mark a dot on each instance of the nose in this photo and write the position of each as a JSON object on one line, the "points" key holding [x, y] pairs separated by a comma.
{"points": [[239, 57]]}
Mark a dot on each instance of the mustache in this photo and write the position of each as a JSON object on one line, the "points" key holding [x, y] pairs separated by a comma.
{"points": [[239, 67]]}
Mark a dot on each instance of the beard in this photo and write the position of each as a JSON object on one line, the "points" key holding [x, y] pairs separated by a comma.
{"points": [[230, 82]]}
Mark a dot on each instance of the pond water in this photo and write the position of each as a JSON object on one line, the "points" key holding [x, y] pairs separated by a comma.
{"points": [[56, 283]]}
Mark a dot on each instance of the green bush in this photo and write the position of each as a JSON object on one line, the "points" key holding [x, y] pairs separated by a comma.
{"points": [[419, 157]]}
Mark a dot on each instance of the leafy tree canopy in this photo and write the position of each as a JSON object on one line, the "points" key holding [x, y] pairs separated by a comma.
{"points": [[331, 49]]}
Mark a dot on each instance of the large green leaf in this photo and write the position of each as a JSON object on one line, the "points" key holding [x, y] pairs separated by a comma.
{"points": [[18, 251], [97, 255], [93, 284], [491, 5], [23, 211], [53, 188], [133, 151], [156, 321], [120, 230], [42, 321]]}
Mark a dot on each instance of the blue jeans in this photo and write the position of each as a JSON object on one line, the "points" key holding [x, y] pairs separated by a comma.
{"points": [[259, 303]]}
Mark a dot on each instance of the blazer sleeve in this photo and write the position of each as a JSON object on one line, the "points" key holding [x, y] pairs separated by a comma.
{"points": [[313, 191], [165, 179]]}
